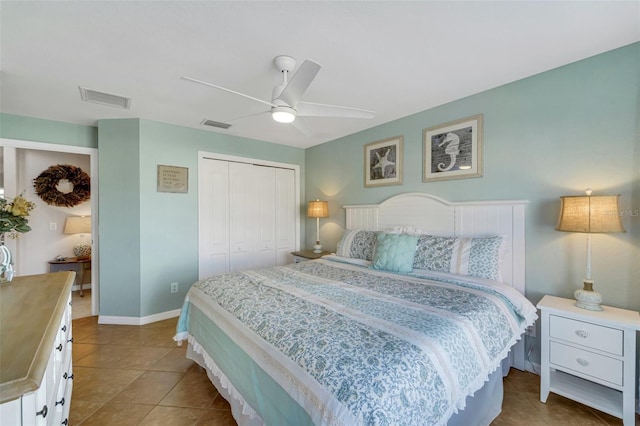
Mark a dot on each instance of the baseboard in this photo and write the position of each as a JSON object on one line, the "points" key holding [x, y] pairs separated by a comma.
{"points": [[114, 320], [532, 367]]}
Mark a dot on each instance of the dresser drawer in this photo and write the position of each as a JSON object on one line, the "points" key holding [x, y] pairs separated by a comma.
{"points": [[586, 334], [586, 363]]}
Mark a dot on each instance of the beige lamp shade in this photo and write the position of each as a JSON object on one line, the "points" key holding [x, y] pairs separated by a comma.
{"points": [[318, 209], [590, 214], [77, 225]]}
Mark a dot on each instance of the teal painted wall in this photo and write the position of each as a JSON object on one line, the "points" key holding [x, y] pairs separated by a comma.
{"points": [[553, 134], [39, 130], [120, 245]]}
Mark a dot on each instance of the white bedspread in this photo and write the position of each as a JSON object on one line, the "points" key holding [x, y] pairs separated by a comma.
{"points": [[356, 346]]}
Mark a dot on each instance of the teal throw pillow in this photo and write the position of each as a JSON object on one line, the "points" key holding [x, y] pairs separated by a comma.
{"points": [[394, 252]]}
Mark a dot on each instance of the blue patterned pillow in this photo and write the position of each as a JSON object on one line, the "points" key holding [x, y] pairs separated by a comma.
{"points": [[477, 257], [434, 253], [357, 244], [394, 252]]}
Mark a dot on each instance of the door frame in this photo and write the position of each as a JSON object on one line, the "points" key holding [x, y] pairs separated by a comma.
{"points": [[93, 160], [204, 156]]}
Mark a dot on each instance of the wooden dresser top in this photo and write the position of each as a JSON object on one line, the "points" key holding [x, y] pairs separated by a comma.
{"points": [[31, 308]]}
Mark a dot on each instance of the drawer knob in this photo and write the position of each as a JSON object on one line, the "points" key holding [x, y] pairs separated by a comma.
{"points": [[42, 412], [582, 333], [61, 402], [66, 376], [59, 347], [70, 340], [65, 422], [64, 328], [583, 362]]}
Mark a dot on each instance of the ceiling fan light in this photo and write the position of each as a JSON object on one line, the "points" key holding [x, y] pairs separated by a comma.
{"points": [[283, 114]]}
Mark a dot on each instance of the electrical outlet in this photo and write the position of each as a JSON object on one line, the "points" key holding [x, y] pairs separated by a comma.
{"points": [[531, 331], [174, 287]]}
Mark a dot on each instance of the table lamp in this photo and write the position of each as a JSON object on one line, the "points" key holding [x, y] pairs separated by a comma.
{"points": [[589, 214], [79, 225], [318, 209]]}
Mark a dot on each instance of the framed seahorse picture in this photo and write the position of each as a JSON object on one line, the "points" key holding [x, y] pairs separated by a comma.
{"points": [[383, 162], [453, 150]]}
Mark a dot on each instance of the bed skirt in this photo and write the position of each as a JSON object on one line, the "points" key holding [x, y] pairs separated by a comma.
{"points": [[481, 408]]}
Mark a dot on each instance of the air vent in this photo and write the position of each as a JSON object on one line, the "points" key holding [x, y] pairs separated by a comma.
{"points": [[96, 97], [215, 124]]}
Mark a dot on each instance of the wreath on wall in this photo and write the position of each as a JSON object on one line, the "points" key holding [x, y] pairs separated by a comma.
{"points": [[46, 185]]}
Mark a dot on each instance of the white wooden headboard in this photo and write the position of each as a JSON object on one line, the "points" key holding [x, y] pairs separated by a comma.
{"points": [[436, 216]]}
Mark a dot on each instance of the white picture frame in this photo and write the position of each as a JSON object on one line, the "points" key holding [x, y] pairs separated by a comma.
{"points": [[383, 162], [453, 150]]}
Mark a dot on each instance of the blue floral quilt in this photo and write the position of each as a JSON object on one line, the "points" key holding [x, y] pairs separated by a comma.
{"points": [[352, 345]]}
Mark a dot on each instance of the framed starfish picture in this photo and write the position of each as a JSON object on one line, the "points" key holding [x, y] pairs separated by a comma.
{"points": [[453, 150], [383, 162]]}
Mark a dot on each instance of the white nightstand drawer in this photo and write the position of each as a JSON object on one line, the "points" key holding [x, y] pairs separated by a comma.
{"points": [[585, 362], [586, 334]]}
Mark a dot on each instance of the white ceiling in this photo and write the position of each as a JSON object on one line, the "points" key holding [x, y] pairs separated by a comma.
{"points": [[396, 58]]}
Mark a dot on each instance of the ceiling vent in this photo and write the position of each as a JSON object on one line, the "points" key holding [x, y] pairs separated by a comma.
{"points": [[215, 124], [96, 97]]}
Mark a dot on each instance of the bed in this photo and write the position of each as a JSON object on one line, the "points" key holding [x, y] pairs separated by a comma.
{"points": [[414, 320]]}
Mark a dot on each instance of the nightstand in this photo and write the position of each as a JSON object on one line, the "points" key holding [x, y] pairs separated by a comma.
{"points": [[303, 255], [589, 356]]}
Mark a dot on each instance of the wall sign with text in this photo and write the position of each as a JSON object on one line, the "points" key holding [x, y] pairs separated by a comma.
{"points": [[173, 179]]}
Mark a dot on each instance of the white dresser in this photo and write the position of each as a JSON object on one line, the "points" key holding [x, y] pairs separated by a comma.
{"points": [[589, 356], [36, 377]]}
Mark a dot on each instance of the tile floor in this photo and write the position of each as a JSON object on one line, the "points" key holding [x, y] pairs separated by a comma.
{"points": [[522, 406], [130, 375], [81, 305]]}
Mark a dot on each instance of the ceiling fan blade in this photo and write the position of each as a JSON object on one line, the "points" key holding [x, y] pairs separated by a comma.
{"points": [[299, 83], [226, 90], [301, 125], [310, 109], [247, 116]]}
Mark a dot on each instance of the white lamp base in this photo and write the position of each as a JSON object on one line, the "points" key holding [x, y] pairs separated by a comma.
{"points": [[317, 248], [588, 299]]}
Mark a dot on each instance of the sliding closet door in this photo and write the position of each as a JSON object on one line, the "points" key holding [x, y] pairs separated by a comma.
{"points": [[265, 206], [285, 215], [243, 215], [252, 216], [213, 198], [248, 216]]}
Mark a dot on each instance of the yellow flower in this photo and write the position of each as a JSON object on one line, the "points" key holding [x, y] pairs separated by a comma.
{"points": [[21, 207]]}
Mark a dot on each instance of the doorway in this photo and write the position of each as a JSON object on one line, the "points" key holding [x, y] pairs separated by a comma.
{"points": [[21, 163]]}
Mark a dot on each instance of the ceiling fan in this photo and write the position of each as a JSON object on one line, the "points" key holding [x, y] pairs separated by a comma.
{"points": [[285, 105]]}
